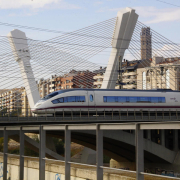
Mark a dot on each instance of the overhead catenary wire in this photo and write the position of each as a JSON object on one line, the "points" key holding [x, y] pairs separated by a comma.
{"points": [[39, 52]]}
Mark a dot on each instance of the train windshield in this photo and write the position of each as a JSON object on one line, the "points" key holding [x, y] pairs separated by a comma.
{"points": [[49, 96]]}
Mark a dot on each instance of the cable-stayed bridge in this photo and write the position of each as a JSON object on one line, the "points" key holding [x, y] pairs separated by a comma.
{"points": [[154, 64]]}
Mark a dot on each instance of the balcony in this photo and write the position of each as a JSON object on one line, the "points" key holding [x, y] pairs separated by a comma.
{"points": [[129, 73], [129, 86], [98, 83]]}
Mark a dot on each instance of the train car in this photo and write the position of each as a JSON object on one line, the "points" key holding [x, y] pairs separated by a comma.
{"points": [[107, 100]]}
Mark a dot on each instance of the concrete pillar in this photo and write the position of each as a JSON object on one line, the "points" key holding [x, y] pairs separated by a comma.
{"points": [[5, 151], [67, 153], [43, 90], [162, 137], [21, 172], [155, 79], [20, 49], [42, 153], [175, 140], [125, 24], [99, 153], [139, 153], [149, 135]]}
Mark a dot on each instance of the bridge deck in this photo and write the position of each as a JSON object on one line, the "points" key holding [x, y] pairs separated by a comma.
{"points": [[110, 117]]}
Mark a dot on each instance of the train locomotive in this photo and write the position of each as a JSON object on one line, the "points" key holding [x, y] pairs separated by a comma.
{"points": [[84, 100]]}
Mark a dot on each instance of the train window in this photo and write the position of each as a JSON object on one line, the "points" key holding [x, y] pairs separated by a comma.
{"points": [[154, 99], [144, 99], [69, 99], [163, 99], [61, 100], [65, 99], [132, 99], [91, 98], [55, 101], [50, 95], [111, 99], [121, 99], [80, 98]]}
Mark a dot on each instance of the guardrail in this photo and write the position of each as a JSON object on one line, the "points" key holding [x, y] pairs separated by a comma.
{"points": [[99, 128], [103, 115]]}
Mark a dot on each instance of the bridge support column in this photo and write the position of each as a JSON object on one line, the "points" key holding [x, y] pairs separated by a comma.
{"points": [[99, 153], [163, 137], [139, 153], [125, 24], [19, 46], [175, 140], [42, 153], [5, 151], [149, 135], [67, 153], [21, 172]]}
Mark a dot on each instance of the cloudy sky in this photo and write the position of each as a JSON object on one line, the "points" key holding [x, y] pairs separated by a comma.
{"points": [[70, 15]]}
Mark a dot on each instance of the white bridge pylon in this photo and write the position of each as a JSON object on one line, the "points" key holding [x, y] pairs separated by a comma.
{"points": [[125, 25], [19, 46]]}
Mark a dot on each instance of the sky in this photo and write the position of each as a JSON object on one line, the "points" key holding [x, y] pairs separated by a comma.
{"points": [[70, 15]]}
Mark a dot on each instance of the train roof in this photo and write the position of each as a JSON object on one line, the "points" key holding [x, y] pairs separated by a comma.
{"points": [[83, 89]]}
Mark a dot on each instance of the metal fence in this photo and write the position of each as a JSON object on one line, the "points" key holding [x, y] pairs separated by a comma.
{"points": [[99, 128], [96, 114]]}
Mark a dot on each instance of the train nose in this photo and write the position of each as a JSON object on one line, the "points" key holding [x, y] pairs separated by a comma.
{"points": [[36, 107]]}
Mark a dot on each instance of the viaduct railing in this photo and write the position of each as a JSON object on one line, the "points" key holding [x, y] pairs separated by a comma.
{"points": [[112, 114], [99, 128]]}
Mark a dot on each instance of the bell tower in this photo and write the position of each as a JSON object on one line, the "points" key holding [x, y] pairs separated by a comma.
{"points": [[146, 44]]}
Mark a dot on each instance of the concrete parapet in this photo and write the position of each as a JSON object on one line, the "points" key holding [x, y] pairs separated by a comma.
{"points": [[56, 171]]}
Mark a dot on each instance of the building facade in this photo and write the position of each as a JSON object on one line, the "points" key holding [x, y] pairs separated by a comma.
{"points": [[10, 101], [98, 78], [163, 73], [129, 74]]}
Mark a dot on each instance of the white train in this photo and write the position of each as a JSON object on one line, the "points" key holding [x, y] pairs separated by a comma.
{"points": [[108, 99]]}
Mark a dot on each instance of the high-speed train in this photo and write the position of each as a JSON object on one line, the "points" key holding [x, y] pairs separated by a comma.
{"points": [[108, 99]]}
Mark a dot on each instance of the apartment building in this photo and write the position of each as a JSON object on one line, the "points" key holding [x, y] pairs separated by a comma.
{"points": [[98, 78], [129, 74], [26, 110], [75, 79], [10, 101], [163, 73]]}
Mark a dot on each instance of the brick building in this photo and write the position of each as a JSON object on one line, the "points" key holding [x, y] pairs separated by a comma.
{"points": [[146, 43]]}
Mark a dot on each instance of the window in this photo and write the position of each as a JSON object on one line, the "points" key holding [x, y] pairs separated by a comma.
{"points": [[144, 80], [121, 99], [61, 100], [55, 101], [144, 99], [69, 99], [154, 99], [132, 99], [80, 98], [91, 98]]}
